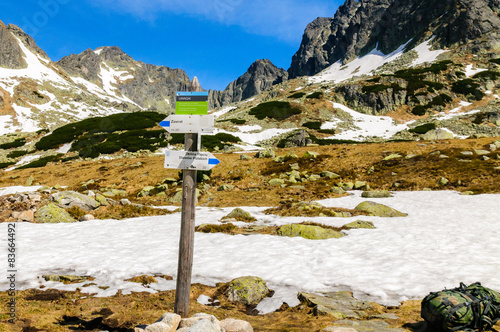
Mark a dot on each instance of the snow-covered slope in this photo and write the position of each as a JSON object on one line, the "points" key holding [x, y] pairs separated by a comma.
{"points": [[369, 63]]}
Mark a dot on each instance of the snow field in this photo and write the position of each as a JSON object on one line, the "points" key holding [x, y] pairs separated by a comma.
{"points": [[446, 239]]}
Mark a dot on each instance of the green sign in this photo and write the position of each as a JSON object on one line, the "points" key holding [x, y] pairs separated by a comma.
{"points": [[191, 103]]}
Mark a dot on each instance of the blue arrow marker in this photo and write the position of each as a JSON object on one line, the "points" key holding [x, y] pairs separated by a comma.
{"points": [[213, 161], [165, 123]]}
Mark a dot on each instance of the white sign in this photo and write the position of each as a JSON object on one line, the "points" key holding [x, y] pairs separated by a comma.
{"points": [[189, 124], [200, 161]]}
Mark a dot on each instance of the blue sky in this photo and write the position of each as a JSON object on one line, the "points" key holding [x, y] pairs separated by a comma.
{"points": [[216, 40]]}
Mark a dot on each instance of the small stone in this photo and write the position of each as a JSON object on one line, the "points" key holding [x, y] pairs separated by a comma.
{"points": [[225, 187], [464, 160], [466, 193], [295, 166], [466, 153], [268, 153], [376, 194], [189, 322], [245, 157], [276, 182], [393, 156], [311, 154], [28, 216], [443, 181], [29, 182], [87, 217], [360, 224], [482, 152], [359, 185], [337, 190], [236, 325], [125, 201], [338, 329], [330, 175]]}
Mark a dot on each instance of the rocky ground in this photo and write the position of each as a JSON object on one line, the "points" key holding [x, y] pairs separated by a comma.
{"points": [[127, 186]]}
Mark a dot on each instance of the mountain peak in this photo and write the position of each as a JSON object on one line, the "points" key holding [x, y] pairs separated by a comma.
{"points": [[195, 85], [360, 26]]}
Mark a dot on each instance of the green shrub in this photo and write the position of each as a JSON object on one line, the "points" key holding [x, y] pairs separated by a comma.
{"points": [[15, 144], [315, 95], [487, 75], [380, 87], [497, 61], [17, 154], [208, 141], [278, 110], [422, 129], [327, 131], [312, 125], [43, 161], [235, 121], [5, 165], [467, 87], [419, 110], [108, 124], [297, 95]]}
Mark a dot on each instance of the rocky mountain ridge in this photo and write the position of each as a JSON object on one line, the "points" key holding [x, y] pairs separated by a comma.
{"points": [[361, 26]]}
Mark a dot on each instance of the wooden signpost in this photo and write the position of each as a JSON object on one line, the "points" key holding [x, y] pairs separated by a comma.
{"points": [[190, 118]]}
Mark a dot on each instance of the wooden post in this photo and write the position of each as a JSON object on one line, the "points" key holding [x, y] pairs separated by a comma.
{"points": [[186, 243]]}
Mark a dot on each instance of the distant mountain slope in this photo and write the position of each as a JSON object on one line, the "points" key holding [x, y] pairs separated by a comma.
{"points": [[261, 75], [360, 26], [150, 86]]}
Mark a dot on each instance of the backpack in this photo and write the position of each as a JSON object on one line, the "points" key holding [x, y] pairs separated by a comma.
{"points": [[465, 308]]}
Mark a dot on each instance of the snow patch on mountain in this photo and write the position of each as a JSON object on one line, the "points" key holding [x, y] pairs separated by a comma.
{"points": [[367, 64]]}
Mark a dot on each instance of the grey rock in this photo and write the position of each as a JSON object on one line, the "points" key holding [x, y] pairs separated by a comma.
{"points": [[368, 326], [329, 175], [376, 194], [248, 290], [268, 153], [204, 325], [340, 305], [379, 210], [125, 201], [52, 213], [337, 190], [28, 216], [297, 138], [245, 157], [338, 329], [437, 134], [69, 199], [443, 181], [236, 325], [225, 187], [191, 321], [87, 217]]}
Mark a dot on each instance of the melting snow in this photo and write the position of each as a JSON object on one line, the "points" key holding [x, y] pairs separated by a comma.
{"points": [[367, 125], [470, 71], [375, 59], [403, 258]]}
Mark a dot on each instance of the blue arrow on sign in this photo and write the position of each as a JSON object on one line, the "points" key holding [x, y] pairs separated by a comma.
{"points": [[165, 123]]}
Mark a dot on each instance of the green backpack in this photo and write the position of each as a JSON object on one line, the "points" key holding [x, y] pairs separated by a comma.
{"points": [[472, 308]]}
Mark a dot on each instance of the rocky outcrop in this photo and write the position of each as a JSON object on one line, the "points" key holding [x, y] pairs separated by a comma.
{"points": [[152, 87], [247, 290], [261, 75], [360, 26], [11, 55]]}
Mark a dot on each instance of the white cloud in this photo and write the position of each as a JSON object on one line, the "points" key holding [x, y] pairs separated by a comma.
{"points": [[284, 19]]}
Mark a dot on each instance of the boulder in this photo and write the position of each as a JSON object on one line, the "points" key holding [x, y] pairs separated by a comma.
{"points": [[376, 194], [308, 232], [247, 290], [87, 217], [268, 153], [393, 156], [69, 199], [147, 191], [330, 175], [52, 213], [437, 134], [188, 323], [337, 190], [28, 216], [239, 214], [236, 325], [169, 322], [311, 154], [379, 210], [202, 325], [368, 325], [245, 157], [360, 224], [338, 329], [101, 200], [360, 185], [443, 181], [225, 187], [340, 305], [276, 182]]}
